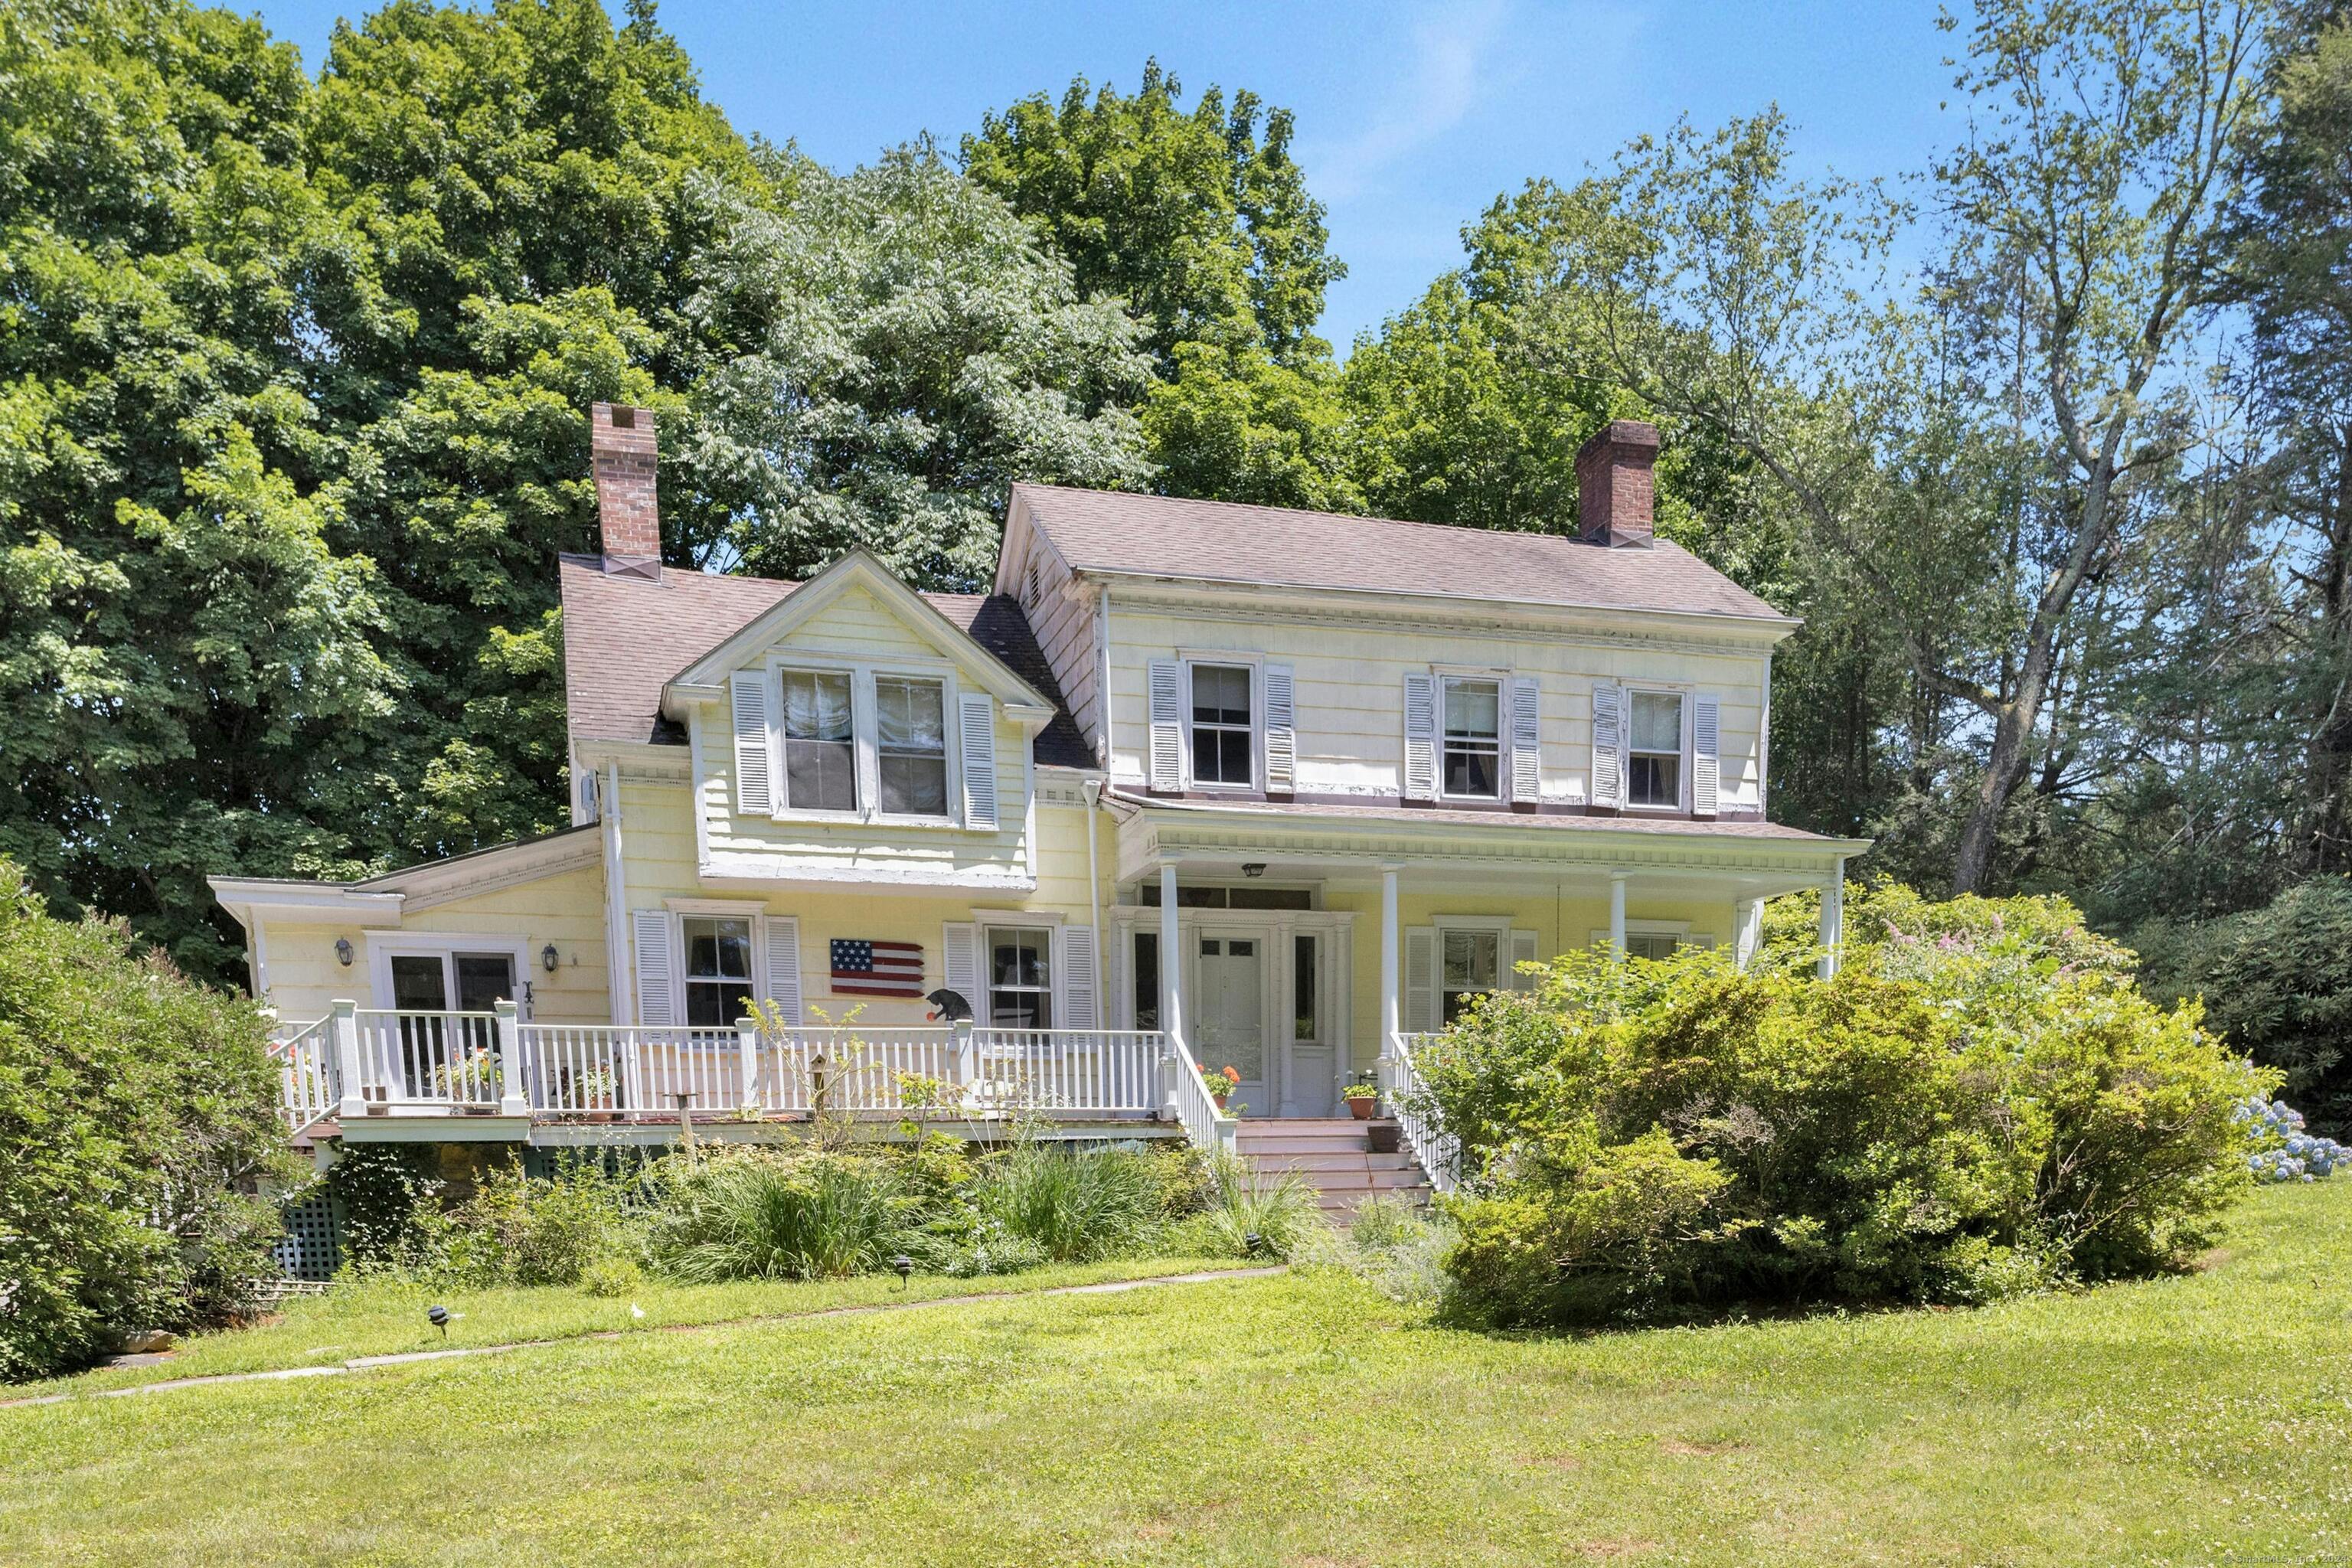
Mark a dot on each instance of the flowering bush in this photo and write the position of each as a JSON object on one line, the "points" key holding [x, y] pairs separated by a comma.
{"points": [[2283, 1152], [1980, 1103]]}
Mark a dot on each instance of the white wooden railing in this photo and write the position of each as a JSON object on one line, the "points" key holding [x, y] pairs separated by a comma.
{"points": [[1438, 1151], [1205, 1121], [306, 1091], [409, 1056]]}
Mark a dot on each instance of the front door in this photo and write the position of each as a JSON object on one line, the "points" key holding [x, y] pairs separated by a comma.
{"points": [[1230, 981]]}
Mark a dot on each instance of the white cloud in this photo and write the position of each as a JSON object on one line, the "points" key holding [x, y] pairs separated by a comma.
{"points": [[1451, 50]]}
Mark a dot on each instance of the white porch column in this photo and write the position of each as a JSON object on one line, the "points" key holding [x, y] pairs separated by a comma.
{"points": [[513, 1091], [1617, 915], [1171, 957], [346, 1047], [1392, 966], [1747, 930], [1832, 920]]}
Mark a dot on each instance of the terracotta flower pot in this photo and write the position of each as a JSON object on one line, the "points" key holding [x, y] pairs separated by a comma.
{"points": [[1361, 1106]]}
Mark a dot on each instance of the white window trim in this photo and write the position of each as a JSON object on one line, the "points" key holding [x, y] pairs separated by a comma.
{"points": [[1251, 663], [1020, 920], [1681, 804], [865, 734], [1680, 930], [383, 947], [1501, 682], [681, 985]]}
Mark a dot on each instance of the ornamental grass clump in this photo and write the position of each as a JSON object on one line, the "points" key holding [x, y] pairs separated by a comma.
{"points": [[1979, 1108], [1074, 1207], [751, 1214]]}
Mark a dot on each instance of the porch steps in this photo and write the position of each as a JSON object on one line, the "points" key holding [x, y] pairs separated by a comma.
{"points": [[1334, 1156]]}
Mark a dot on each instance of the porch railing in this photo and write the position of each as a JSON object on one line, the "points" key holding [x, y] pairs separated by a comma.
{"points": [[1438, 1151], [307, 1089], [1205, 1121], [410, 1057]]}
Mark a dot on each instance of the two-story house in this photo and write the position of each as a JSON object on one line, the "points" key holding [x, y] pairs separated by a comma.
{"points": [[1196, 785]]}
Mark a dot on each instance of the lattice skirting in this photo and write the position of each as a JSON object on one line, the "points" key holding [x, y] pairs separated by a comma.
{"points": [[313, 1240]]}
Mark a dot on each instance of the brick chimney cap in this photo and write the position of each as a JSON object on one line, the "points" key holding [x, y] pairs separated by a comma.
{"points": [[1633, 438]]}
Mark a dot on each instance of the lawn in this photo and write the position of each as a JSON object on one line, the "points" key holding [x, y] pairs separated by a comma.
{"points": [[2204, 1419]]}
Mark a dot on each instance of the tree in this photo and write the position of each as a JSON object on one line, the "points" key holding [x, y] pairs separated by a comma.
{"points": [[909, 349], [1197, 218]]}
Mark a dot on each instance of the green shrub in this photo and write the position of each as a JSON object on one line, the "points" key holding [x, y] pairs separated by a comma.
{"points": [[612, 1277], [755, 1213], [1073, 1206], [525, 1230], [1978, 1104], [387, 1193], [1393, 1246], [2277, 984], [138, 1124]]}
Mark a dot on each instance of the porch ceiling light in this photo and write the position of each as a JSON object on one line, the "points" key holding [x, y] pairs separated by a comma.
{"points": [[549, 958], [1254, 868], [343, 950]]}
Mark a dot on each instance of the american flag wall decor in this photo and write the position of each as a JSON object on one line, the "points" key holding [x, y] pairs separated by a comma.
{"points": [[863, 968]]}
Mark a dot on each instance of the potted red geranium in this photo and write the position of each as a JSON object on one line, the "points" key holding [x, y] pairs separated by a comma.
{"points": [[1221, 1084]]}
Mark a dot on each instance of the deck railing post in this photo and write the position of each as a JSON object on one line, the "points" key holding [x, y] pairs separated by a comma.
{"points": [[967, 1054], [514, 1089], [346, 1050], [1170, 1082], [747, 1041]]}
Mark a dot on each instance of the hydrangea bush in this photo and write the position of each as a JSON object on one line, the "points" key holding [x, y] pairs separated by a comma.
{"points": [[2283, 1150]]}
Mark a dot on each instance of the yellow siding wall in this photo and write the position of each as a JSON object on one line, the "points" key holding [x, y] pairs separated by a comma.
{"points": [[1349, 694]]}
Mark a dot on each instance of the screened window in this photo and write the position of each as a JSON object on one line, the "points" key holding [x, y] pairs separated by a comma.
{"points": [[717, 971], [1473, 965], [1020, 994], [1221, 724], [1654, 769], [1651, 946], [1474, 743], [1147, 979], [911, 738], [820, 755]]}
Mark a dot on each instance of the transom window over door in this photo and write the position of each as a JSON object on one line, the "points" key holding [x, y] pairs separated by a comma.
{"points": [[1654, 769], [1472, 964], [1474, 738], [820, 747], [717, 971], [1221, 724], [911, 739], [1019, 978]]}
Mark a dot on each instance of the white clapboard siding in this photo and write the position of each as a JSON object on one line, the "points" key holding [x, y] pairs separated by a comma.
{"points": [[1421, 1008], [656, 971], [755, 768], [1281, 730], [1522, 951], [977, 732], [1167, 724], [1527, 740], [784, 982], [1607, 745], [960, 963], [1420, 737], [1079, 983], [1706, 765]]}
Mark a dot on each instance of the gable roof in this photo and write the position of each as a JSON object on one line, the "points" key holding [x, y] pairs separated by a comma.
{"points": [[1224, 542], [626, 636]]}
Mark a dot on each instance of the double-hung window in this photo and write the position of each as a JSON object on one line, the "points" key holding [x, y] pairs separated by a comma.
{"points": [[1020, 977], [1474, 738], [820, 741], [1221, 724], [1471, 964], [911, 743], [1654, 762], [717, 971]]}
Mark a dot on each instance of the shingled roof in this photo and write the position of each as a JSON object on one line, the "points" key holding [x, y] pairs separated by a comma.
{"points": [[624, 637], [1223, 542]]}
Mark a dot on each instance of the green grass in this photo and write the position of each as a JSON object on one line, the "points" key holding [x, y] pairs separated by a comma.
{"points": [[1304, 1420]]}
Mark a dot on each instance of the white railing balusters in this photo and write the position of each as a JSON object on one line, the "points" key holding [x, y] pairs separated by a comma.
{"points": [[307, 1088], [1438, 1151], [1203, 1120]]}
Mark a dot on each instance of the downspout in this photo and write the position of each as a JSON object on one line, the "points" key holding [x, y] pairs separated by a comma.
{"points": [[1092, 789], [618, 971]]}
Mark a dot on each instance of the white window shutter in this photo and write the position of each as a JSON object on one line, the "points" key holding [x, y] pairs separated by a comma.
{"points": [[1281, 732], [1527, 740], [1706, 765], [783, 987], [656, 971], [1607, 745], [1421, 1008], [1167, 724], [1420, 737], [755, 756], [1079, 978], [959, 964], [977, 733], [1522, 951]]}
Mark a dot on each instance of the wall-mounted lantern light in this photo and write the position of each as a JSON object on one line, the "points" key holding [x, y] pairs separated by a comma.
{"points": [[549, 957], [343, 950], [1254, 868]]}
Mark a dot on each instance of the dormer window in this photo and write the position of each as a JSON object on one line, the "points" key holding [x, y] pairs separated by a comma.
{"points": [[1653, 763], [911, 742], [1221, 725], [820, 746], [1474, 738]]}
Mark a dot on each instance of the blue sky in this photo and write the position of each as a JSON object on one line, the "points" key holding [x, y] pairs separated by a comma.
{"points": [[1411, 117]]}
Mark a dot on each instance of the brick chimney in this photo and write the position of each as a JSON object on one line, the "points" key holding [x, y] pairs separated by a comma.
{"points": [[621, 445], [1615, 488]]}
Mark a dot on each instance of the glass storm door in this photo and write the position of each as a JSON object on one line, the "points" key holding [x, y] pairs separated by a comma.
{"points": [[1308, 1067], [1230, 977], [433, 1050]]}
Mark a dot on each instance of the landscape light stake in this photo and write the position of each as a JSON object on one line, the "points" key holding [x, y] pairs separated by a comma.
{"points": [[905, 1266], [438, 1316]]}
